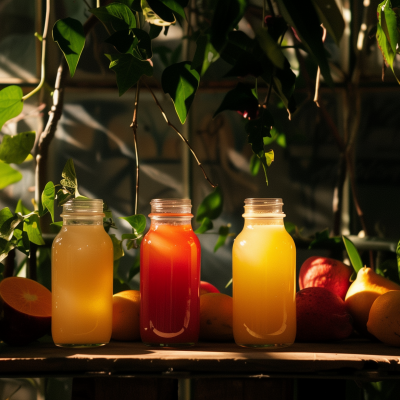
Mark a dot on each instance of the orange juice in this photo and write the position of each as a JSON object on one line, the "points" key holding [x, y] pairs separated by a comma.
{"points": [[264, 271], [82, 285]]}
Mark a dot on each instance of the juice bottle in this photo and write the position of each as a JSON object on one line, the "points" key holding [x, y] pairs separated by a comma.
{"points": [[82, 277], [264, 278], [170, 276]]}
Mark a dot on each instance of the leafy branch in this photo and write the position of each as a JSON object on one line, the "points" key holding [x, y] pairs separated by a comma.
{"points": [[180, 135]]}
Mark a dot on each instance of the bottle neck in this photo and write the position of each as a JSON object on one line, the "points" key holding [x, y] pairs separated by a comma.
{"points": [[250, 221], [170, 219], [79, 219]]}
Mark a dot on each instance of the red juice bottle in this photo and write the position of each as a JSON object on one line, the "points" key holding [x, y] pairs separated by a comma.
{"points": [[170, 276]]}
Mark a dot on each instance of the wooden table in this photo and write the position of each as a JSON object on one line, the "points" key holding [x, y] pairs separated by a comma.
{"points": [[242, 373]]}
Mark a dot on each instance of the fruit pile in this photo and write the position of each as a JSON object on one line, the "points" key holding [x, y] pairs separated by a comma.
{"points": [[329, 305]]}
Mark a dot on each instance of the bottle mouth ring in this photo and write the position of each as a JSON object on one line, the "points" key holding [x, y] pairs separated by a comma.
{"points": [[263, 208], [83, 206], [171, 206]]}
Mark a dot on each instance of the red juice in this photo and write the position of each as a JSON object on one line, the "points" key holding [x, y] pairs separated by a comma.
{"points": [[169, 282]]}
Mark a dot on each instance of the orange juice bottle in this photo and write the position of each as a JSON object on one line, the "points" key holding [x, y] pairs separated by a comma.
{"points": [[82, 277], [264, 278], [170, 276]]}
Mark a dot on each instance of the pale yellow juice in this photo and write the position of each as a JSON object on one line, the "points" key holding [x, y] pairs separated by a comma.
{"points": [[82, 285], [264, 305]]}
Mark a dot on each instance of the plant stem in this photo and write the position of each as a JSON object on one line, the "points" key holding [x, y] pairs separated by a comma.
{"points": [[31, 262], [42, 67], [9, 264], [43, 143], [318, 78], [180, 135], [134, 129]]}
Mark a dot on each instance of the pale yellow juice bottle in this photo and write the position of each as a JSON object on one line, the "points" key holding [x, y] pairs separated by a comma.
{"points": [[264, 278], [82, 277]]}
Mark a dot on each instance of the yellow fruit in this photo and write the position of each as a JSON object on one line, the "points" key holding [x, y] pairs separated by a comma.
{"points": [[216, 317], [126, 316], [363, 292], [384, 318]]}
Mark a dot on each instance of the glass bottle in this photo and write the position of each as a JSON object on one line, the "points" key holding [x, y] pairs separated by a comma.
{"points": [[170, 276], [82, 277], [264, 278]]}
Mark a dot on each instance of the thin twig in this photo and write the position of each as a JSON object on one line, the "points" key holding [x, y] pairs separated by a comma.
{"points": [[180, 135], [134, 129], [43, 62], [318, 78]]}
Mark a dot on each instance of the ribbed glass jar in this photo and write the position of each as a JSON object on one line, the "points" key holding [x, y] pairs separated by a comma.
{"points": [[82, 277], [264, 278], [170, 276]]}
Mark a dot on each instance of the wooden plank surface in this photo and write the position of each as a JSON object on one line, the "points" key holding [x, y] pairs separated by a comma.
{"points": [[119, 358]]}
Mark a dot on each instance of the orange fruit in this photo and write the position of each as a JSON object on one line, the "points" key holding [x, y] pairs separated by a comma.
{"points": [[25, 307], [363, 292], [126, 316], [216, 317], [384, 318]]}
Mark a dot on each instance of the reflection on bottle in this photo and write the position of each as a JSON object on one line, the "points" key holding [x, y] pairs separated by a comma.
{"points": [[265, 336]]}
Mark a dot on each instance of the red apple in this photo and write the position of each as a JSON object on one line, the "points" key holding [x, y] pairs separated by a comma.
{"points": [[206, 287], [321, 316], [327, 273]]}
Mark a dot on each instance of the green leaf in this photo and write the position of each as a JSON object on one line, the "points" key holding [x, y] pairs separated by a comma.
{"points": [[205, 54], [303, 17], [128, 69], [227, 15], [23, 244], [22, 209], [135, 269], [63, 196], [330, 15], [290, 227], [223, 234], [5, 248], [205, 226], [69, 35], [388, 269], [386, 49], [388, 21], [259, 128], [352, 252], [156, 13], [212, 205], [15, 149], [181, 83], [124, 41], [133, 4], [240, 99], [48, 197], [144, 43], [137, 222], [133, 41], [115, 17], [175, 7], [32, 228], [255, 164], [229, 283], [270, 47], [117, 247], [8, 222], [8, 175], [154, 31], [11, 103], [69, 175]]}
